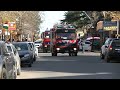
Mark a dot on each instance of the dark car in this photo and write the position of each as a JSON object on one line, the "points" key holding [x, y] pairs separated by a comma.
{"points": [[113, 50], [25, 53], [7, 63]]}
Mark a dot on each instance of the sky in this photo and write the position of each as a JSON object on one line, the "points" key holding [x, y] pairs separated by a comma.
{"points": [[50, 18]]}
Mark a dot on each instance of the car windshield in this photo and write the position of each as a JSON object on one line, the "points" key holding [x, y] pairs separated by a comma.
{"points": [[9, 48], [47, 35], [21, 46], [70, 36]]}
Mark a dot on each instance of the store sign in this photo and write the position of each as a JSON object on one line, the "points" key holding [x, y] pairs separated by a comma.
{"points": [[12, 26], [110, 25]]}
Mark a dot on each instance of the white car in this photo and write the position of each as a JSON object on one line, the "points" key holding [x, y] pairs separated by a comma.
{"points": [[38, 44], [13, 50], [86, 45]]}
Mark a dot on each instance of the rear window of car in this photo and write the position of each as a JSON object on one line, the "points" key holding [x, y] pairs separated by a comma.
{"points": [[21, 46], [116, 44]]}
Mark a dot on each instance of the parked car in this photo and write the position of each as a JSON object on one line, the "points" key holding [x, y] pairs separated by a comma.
{"points": [[34, 49], [7, 63], [95, 41], [104, 48], [13, 50], [25, 53], [113, 50], [86, 45]]}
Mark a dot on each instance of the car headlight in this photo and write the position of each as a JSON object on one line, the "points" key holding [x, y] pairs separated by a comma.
{"points": [[75, 48], [26, 55], [45, 45], [58, 48]]}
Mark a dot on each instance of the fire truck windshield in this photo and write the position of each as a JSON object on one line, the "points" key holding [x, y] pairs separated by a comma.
{"points": [[47, 35], [66, 36]]}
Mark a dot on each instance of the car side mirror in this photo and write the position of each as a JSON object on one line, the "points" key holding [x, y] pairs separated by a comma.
{"points": [[7, 54]]}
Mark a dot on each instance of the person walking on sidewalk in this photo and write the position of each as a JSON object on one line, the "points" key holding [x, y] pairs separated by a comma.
{"points": [[82, 44]]}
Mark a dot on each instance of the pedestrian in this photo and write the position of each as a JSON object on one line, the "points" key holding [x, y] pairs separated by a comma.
{"points": [[82, 44]]}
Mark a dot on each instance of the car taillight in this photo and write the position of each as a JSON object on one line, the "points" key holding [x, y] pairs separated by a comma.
{"points": [[110, 47]]}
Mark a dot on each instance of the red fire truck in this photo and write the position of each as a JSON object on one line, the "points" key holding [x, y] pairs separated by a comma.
{"points": [[46, 41], [63, 40]]}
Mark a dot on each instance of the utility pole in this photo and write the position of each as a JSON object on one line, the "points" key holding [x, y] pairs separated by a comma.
{"points": [[117, 28]]}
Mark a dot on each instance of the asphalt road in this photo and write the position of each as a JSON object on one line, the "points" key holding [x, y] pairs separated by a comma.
{"points": [[86, 65]]}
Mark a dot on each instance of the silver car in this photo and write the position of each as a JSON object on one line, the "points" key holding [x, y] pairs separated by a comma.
{"points": [[7, 63], [12, 49]]}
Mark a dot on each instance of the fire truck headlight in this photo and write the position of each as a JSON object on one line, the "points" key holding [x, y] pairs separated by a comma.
{"points": [[58, 48], [75, 48], [45, 45]]}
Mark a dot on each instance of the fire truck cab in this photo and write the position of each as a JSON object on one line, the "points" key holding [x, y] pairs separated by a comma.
{"points": [[63, 40]]}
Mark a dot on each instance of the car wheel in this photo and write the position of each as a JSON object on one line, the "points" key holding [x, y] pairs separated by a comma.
{"points": [[107, 58], [14, 73], [30, 65], [101, 56], [70, 54], [19, 70], [55, 54], [52, 54], [75, 54], [4, 73], [34, 58]]}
